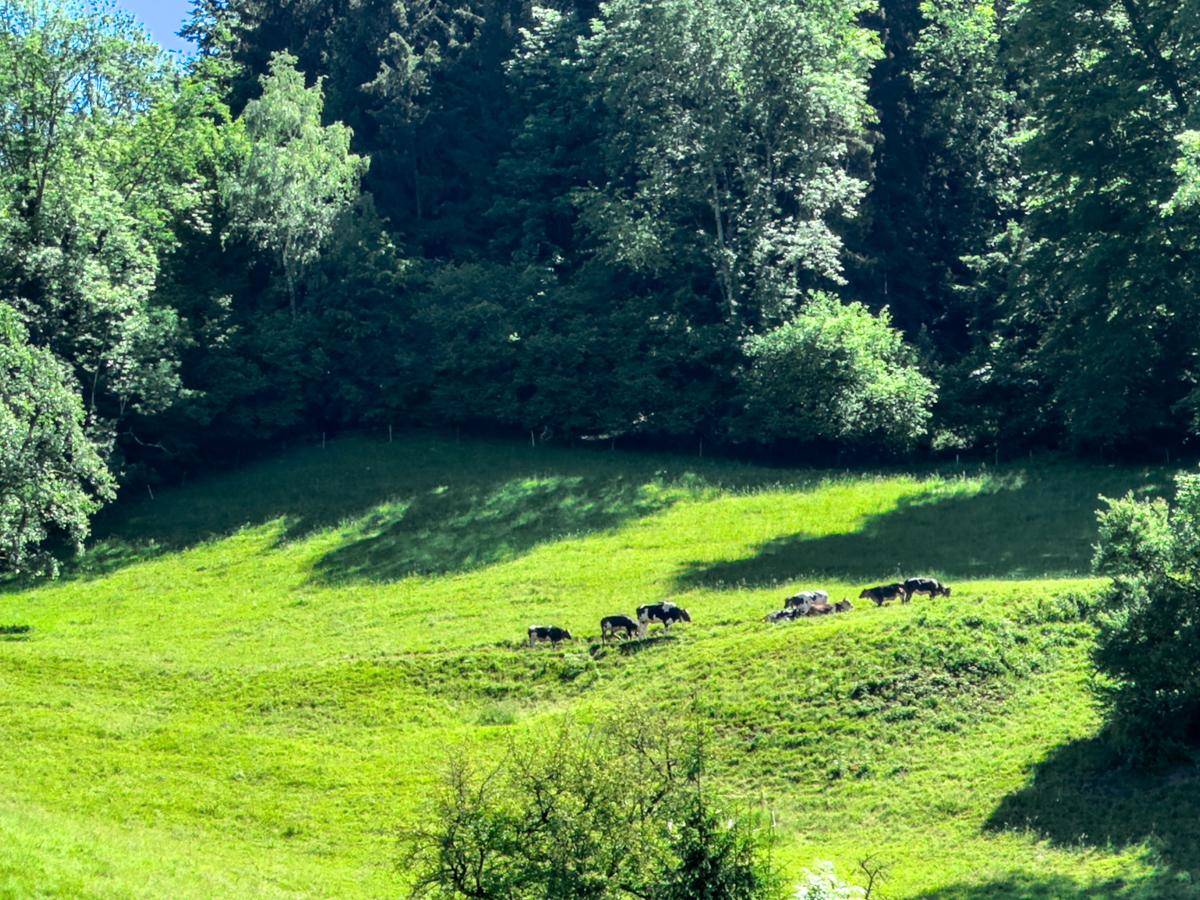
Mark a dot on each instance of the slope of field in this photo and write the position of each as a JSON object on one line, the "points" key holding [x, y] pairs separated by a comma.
{"points": [[249, 682]]}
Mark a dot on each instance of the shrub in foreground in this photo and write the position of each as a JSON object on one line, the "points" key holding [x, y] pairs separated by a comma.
{"points": [[616, 809], [1148, 649]]}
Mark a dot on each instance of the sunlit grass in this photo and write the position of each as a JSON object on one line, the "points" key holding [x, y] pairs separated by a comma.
{"points": [[249, 684]]}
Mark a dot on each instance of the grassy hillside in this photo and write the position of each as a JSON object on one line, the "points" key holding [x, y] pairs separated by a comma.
{"points": [[249, 682]]}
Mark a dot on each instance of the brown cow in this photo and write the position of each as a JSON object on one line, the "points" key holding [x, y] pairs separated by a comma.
{"points": [[611, 626], [884, 593]]}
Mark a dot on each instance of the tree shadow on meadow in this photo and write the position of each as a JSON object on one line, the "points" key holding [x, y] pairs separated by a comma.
{"points": [[1078, 797], [1022, 886], [426, 504], [423, 504], [460, 528], [1022, 523]]}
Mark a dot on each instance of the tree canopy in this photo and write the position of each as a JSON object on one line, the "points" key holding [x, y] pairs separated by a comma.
{"points": [[848, 227], [295, 177], [51, 477]]}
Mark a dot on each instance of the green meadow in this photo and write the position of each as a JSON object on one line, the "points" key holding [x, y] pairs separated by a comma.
{"points": [[248, 684]]}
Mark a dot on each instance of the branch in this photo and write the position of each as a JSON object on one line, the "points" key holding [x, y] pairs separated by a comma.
{"points": [[876, 873], [1163, 67]]}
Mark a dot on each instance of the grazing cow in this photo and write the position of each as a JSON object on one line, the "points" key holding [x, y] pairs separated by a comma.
{"points": [[610, 626], [929, 586], [884, 593], [805, 599], [843, 605], [539, 634], [664, 613]]}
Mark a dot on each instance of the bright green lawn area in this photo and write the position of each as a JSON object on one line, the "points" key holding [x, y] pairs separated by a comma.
{"points": [[249, 683]]}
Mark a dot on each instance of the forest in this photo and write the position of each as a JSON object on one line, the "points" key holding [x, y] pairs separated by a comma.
{"points": [[826, 230], [659, 449]]}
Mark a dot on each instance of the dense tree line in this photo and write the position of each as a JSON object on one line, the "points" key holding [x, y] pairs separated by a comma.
{"points": [[836, 227]]}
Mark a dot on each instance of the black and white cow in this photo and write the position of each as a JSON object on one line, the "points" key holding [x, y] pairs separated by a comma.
{"points": [[805, 599], [931, 587], [782, 615], [665, 614], [540, 634]]}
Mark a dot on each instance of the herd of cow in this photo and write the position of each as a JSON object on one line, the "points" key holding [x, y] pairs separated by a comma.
{"points": [[806, 603], [666, 614]]}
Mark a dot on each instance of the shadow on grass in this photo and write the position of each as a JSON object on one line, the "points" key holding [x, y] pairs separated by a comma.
{"points": [[1031, 887], [456, 528], [419, 505], [1022, 524], [1079, 797], [429, 505], [640, 645]]}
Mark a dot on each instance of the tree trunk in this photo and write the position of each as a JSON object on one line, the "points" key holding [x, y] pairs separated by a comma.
{"points": [[290, 278], [725, 276], [416, 177]]}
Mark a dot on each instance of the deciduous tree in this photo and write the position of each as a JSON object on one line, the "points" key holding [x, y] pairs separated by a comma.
{"points": [[51, 477], [101, 144], [296, 177], [728, 130]]}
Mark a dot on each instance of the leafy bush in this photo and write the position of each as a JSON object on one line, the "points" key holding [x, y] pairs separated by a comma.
{"points": [[617, 809], [1149, 642], [835, 373], [52, 477]]}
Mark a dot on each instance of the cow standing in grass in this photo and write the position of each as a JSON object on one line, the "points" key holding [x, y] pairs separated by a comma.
{"points": [[611, 626], [541, 634], [931, 587], [884, 593], [664, 613]]}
